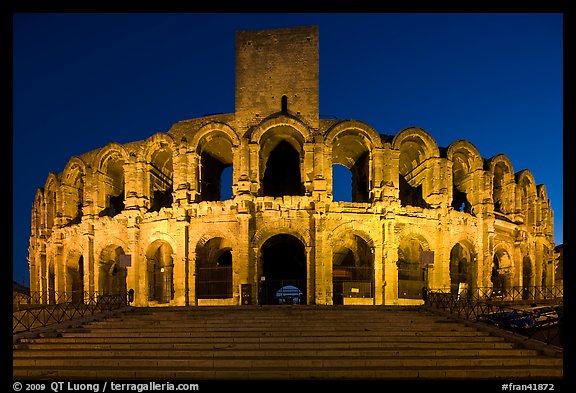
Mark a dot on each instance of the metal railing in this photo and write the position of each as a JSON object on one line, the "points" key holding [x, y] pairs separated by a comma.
{"points": [[512, 310], [34, 312]]}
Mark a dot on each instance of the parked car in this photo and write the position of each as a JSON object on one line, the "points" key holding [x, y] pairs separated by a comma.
{"points": [[509, 320]]}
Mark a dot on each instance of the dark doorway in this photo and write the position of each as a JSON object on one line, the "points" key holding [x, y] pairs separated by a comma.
{"points": [[282, 174], [214, 269], [283, 278]]}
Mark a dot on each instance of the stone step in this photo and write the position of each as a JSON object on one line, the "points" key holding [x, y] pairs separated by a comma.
{"points": [[58, 347], [308, 340], [391, 359], [276, 343], [271, 328], [275, 352], [274, 333], [399, 372]]}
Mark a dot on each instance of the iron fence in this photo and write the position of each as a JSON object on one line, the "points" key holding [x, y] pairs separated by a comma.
{"points": [[34, 312], [511, 310]]}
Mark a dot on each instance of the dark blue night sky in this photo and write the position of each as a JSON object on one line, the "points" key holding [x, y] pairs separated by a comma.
{"points": [[81, 81]]}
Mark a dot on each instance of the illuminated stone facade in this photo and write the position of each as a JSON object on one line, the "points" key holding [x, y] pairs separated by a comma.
{"points": [[152, 215]]}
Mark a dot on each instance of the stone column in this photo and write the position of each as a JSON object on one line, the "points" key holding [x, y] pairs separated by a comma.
{"points": [[378, 276]]}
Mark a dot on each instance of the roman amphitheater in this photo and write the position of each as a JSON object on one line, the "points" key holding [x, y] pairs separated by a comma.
{"points": [[238, 208]]}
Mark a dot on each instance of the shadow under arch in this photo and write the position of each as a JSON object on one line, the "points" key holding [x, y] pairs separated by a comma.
{"points": [[283, 264]]}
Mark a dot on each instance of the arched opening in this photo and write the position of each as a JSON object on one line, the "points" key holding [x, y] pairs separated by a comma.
{"points": [[284, 104], [160, 272], [282, 174], [74, 199], [75, 278], [214, 269], [412, 274], [226, 183], [112, 275], [216, 168], [460, 201], [461, 260], [161, 182], [283, 259], [113, 187], [498, 188], [341, 183], [349, 150], [500, 272], [411, 196], [352, 270]]}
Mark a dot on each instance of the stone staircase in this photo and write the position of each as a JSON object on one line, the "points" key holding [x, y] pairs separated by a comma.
{"points": [[277, 342]]}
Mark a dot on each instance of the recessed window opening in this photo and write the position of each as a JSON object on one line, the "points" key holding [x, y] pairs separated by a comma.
{"points": [[460, 201], [341, 183], [226, 183], [282, 173], [411, 196], [160, 187], [216, 179], [284, 104]]}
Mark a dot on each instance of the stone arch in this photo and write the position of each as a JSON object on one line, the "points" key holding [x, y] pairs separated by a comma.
{"points": [[503, 183], [526, 196], [215, 145], [110, 162], [278, 143], [352, 264], [528, 276], [210, 130], [302, 132], [74, 268], [369, 135], [502, 268], [351, 144], [466, 160], [420, 146], [544, 213], [158, 154], [51, 200], [72, 191], [412, 277], [283, 262], [463, 262], [269, 229], [39, 212], [214, 265], [111, 272], [160, 271], [416, 147]]}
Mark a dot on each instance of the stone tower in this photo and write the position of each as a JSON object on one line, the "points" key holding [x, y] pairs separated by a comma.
{"points": [[277, 72]]}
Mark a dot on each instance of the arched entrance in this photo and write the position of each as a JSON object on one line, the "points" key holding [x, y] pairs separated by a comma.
{"points": [[352, 269], [112, 275], [160, 272], [412, 271], [462, 263], [283, 279], [500, 276], [214, 269]]}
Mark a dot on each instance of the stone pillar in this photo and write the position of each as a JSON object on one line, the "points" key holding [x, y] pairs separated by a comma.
{"points": [[310, 273], [378, 291], [322, 257]]}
